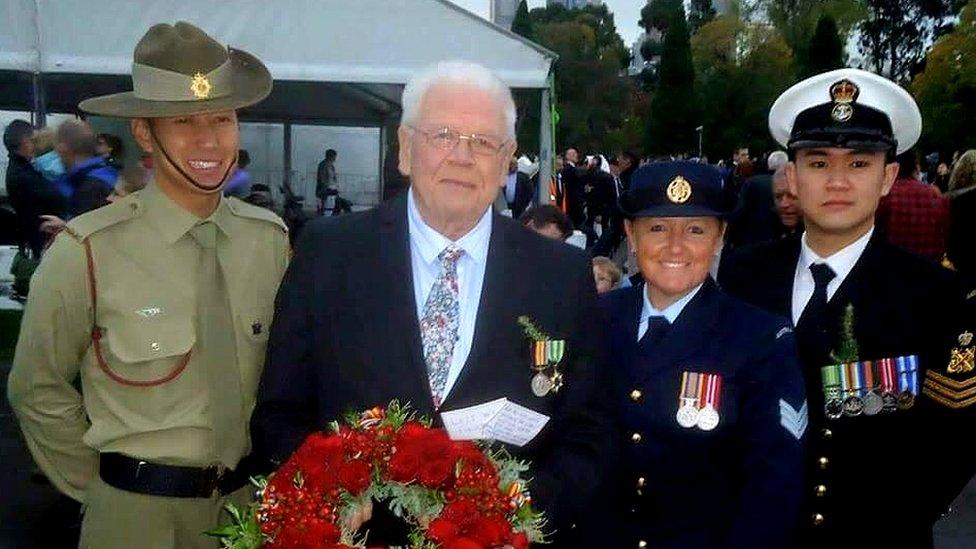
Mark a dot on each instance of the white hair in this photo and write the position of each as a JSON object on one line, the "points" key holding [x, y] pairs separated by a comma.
{"points": [[776, 160], [460, 73]]}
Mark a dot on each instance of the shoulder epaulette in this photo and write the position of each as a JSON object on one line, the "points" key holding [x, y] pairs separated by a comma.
{"points": [[242, 209], [96, 220]]}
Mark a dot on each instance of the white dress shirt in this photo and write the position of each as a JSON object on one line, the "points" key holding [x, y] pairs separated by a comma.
{"points": [[670, 312], [841, 262], [425, 245]]}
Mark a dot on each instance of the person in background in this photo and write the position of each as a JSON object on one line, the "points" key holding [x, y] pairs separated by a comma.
{"points": [[31, 195], [132, 179], [111, 148], [755, 219], [239, 185], [941, 180], [517, 189], [914, 215], [606, 274], [707, 390], [549, 221], [89, 179], [326, 179], [961, 252], [46, 159], [787, 206]]}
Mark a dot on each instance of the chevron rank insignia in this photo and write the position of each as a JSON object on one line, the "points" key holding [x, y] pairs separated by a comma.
{"points": [[793, 420]]}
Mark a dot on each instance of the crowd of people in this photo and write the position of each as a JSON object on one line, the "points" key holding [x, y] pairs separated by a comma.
{"points": [[761, 360]]}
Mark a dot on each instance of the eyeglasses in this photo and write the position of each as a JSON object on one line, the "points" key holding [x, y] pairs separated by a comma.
{"points": [[446, 139]]}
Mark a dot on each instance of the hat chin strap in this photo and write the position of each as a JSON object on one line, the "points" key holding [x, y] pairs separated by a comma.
{"points": [[204, 188]]}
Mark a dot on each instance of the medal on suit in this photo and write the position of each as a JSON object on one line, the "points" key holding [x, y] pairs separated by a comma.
{"points": [[873, 403], [907, 381], [708, 418], [688, 400], [830, 378], [886, 370], [851, 382], [546, 353]]}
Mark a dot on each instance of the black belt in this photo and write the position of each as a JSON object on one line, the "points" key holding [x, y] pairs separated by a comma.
{"points": [[142, 477]]}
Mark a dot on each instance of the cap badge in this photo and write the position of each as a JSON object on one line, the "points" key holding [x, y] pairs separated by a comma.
{"points": [[200, 86], [843, 93], [679, 190]]}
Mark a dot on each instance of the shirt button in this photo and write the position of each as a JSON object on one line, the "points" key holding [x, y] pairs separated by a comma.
{"points": [[818, 519], [154, 346], [821, 490], [823, 462], [826, 434], [636, 437], [636, 395]]}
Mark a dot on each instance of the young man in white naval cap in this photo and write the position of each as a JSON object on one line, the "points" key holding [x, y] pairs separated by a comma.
{"points": [[874, 323]]}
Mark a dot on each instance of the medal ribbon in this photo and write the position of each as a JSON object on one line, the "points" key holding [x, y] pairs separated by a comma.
{"points": [[830, 376], [555, 348], [908, 374], [702, 388], [887, 370], [540, 354], [867, 374], [845, 378], [690, 384], [854, 375], [713, 391]]}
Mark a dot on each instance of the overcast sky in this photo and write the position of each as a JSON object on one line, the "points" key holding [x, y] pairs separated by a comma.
{"points": [[626, 13]]}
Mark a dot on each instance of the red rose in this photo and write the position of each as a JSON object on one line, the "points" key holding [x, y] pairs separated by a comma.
{"points": [[490, 531], [519, 541], [462, 512], [354, 476], [423, 455], [311, 535], [463, 543], [442, 530]]}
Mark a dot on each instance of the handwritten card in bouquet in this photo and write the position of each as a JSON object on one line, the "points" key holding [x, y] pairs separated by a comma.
{"points": [[499, 420]]}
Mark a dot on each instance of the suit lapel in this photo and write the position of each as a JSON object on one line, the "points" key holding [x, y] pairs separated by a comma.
{"points": [[500, 270], [397, 283]]}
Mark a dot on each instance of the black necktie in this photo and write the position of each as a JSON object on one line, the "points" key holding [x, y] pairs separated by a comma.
{"points": [[817, 306], [657, 328]]}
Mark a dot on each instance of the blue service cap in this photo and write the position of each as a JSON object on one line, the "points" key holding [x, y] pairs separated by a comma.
{"points": [[677, 189]]}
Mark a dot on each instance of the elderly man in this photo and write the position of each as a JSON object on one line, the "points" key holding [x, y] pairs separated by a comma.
{"points": [[787, 206], [159, 303], [417, 301]]}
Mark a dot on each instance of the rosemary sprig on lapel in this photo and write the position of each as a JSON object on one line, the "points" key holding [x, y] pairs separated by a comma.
{"points": [[848, 350], [530, 330]]}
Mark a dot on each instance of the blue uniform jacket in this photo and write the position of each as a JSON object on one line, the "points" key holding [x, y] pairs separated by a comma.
{"points": [[738, 485]]}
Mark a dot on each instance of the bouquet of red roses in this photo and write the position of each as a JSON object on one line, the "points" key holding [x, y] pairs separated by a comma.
{"points": [[452, 494]]}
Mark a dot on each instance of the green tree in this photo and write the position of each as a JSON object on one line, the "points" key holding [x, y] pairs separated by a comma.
{"points": [[897, 33], [946, 88], [741, 68], [826, 51], [701, 12], [797, 20], [674, 107], [522, 24]]}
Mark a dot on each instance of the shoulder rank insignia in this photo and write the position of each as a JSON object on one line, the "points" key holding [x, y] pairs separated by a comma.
{"points": [[947, 389]]}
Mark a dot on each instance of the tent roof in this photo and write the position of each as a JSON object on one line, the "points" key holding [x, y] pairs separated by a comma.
{"points": [[354, 41]]}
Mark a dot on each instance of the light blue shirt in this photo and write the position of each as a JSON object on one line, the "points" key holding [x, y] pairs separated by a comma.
{"points": [[670, 312], [425, 245]]}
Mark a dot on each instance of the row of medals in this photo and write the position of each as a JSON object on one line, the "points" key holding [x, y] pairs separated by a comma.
{"points": [[872, 403], [689, 415]]}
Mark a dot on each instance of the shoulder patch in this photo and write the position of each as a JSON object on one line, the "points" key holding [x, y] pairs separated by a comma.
{"points": [[89, 223], [242, 209]]}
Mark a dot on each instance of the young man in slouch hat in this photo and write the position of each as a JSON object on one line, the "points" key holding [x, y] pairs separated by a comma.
{"points": [[161, 303], [874, 324]]}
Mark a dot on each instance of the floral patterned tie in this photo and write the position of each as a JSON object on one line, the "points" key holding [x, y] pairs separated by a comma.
{"points": [[439, 324]]}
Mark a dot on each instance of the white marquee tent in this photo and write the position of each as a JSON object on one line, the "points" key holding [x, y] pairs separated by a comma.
{"points": [[339, 62]]}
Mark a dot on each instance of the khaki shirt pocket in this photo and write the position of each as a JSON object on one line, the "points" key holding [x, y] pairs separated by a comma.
{"points": [[146, 351]]}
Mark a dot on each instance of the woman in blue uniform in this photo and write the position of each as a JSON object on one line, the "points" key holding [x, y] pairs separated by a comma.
{"points": [[708, 391]]}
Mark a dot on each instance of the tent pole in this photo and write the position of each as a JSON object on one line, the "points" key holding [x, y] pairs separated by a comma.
{"points": [[545, 148], [38, 106]]}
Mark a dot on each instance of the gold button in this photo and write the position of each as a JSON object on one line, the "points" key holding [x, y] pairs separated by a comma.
{"points": [[636, 437], [636, 395], [641, 544], [826, 434], [641, 481], [821, 490], [154, 346], [818, 519], [823, 462]]}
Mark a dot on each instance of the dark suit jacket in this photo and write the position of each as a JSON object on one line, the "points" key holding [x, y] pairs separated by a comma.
{"points": [[346, 337], [572, 178], [903, 305], [31, 197], [735, 486], [523, 195]]}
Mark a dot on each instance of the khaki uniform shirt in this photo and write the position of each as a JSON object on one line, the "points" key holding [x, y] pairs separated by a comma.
{"points": [[145, 265]]}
